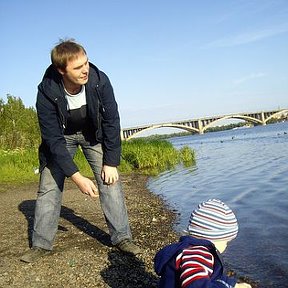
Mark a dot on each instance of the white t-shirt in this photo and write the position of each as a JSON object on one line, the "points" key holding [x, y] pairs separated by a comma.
{"points": [[77, 109]]}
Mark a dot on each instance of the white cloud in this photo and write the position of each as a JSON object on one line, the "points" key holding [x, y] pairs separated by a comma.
{"points": [[249, 77], [248, 37]]}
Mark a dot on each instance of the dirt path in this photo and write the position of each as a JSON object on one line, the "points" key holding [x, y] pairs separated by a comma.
{"points": [[83, 256]]}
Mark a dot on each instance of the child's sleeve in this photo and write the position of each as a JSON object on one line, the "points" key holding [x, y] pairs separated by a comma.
{"points": [[227, 282]]}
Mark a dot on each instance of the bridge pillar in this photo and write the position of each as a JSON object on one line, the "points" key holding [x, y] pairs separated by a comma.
{"points": [[262, 117], [200, 127], [263, 120]]}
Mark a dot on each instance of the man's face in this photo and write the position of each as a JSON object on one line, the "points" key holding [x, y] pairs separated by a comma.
{"points": [[77, 70]]}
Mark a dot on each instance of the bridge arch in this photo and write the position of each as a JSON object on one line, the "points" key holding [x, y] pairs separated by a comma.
{"points": [[284, 111], [152, 127], [241, 117]]}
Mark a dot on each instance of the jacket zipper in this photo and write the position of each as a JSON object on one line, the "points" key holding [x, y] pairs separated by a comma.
{"points": [[62, 118], [100, 106]]}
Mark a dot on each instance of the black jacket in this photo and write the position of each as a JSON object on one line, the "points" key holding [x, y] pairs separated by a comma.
{"points": [[52, 114]]}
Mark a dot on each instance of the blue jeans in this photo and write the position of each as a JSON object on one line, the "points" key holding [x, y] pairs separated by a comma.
{"points": [[49, 197]]}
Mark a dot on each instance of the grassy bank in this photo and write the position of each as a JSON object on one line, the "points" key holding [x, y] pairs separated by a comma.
{"points": [[143, 156]]}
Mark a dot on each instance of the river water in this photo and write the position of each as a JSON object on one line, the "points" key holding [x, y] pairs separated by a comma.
{"points": [[247, 169]]}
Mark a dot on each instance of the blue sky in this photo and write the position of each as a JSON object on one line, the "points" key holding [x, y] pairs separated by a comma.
{"points": [[167, 60]]}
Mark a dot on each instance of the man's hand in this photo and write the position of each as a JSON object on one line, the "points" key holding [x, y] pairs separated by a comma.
{"points": [[84, 184], [109, 174]]}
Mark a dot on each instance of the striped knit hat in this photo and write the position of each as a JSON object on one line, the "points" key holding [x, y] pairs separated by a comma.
{"points": [[213, 220]]}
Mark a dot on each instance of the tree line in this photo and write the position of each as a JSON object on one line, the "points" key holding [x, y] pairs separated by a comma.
{"points": [[18, 125]]}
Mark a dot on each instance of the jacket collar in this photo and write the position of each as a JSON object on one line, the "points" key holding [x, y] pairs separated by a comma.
{"points": [[52, 82]]}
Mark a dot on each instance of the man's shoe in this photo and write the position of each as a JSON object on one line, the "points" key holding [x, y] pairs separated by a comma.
{"points": [[34, 254], [129, 247]]}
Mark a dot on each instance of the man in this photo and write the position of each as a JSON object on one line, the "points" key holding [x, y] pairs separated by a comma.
{"points": [[76, 107]]}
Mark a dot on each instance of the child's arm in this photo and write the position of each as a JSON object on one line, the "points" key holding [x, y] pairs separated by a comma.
{"points": [[231, 282]]}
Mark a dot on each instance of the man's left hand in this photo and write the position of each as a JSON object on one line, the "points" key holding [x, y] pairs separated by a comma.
{"points": [[109, 174]]}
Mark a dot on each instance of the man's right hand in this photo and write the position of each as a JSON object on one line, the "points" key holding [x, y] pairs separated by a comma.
{"points": [[84, 184]]}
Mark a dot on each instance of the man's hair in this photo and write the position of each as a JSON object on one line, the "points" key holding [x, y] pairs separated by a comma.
{"points": [[66, 50]]}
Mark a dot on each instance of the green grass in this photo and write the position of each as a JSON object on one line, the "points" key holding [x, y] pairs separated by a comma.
{"points": [[18, 166], [149, 157]]}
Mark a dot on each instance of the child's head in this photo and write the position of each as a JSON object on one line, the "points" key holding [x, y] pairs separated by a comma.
{"points": [[213, 220]]}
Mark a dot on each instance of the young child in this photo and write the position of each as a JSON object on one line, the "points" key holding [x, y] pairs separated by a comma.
{"points": [[194, 260]]}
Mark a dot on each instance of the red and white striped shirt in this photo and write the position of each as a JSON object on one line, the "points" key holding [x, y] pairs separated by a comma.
{"points": [[194, 263]]}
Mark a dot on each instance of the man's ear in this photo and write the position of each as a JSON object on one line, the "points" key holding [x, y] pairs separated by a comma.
{"points": [[61, 71]]}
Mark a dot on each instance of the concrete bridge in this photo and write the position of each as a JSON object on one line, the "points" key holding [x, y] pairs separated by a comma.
{"points": [[201, 124]]}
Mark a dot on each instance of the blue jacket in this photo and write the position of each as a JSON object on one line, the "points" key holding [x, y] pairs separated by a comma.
{"points": [[165, 259], [52, 114]]}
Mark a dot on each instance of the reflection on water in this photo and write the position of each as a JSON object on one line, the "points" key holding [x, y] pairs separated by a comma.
{"points": [[247, 169]]}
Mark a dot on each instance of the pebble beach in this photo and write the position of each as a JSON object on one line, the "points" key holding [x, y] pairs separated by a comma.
{"points": [[83, 255]]}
